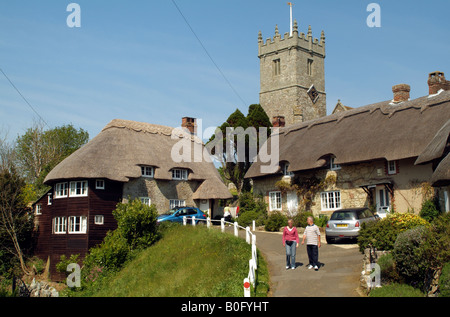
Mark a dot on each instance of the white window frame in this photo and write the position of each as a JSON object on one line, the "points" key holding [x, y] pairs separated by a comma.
{"points": [[146, 200], [180, 174], [330, 200], [61, 190], [38, 209], [177, 203], [49, 199], [394, 165], [275, 201], [446, 201], [99, 184], [99, 219], [333, 166], [147, 171], [77, 224], [74, 189], [59, 225]]}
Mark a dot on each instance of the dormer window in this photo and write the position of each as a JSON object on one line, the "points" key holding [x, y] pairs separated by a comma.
{"points": [[147, 171], [334, 166], [179, 174], [285, 168]]}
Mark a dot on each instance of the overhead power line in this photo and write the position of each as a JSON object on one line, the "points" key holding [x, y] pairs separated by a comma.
{"points": [[209, 55], [23, 97]]}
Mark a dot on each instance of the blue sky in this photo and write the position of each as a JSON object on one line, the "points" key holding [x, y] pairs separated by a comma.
{"points": [[138, 60]]}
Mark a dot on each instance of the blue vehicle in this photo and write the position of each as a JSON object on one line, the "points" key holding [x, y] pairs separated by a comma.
{"points": [[177, 214]]}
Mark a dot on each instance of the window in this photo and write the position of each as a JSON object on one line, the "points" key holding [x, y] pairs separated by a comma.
{"points": [[330, 200], [99, 219], [61, 190], [277, 67], [146, 201], [38, 209], [285, 168], [333, 166], [147, 171], [78, 189], [392, 167], [275, 201], [59, 225], [49, 199], [177, 203], [179, 174], [309, 67], [99, 184], [77, 224]]}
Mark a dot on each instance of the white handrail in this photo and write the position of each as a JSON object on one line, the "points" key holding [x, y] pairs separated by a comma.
{"points": [[250, 239]]}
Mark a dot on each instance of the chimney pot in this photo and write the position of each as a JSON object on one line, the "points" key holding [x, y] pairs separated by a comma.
{"points": [[278, 122], [401, 92], [436, 82], [190, 124]]}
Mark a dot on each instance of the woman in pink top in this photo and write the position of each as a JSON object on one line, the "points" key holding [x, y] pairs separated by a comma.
{"points": [[291, 242]]}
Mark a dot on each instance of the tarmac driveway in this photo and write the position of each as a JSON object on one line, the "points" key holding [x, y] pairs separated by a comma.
{"points": [[338, 276]]}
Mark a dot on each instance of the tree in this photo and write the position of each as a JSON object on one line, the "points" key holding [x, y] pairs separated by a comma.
{"points": [[39, 151], [16, 221], [238, 138]]}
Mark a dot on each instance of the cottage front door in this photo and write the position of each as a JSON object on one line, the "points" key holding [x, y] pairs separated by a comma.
{"points": [[383, 201], [292, 202]]}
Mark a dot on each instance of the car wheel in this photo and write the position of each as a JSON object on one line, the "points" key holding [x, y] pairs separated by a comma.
{"points": [[329, 240]]}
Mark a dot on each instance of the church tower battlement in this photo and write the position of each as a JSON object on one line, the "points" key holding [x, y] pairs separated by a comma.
{"points": [[292, 74]]}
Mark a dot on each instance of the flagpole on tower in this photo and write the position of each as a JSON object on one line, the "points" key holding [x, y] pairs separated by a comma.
{"points": [[290, 5]]}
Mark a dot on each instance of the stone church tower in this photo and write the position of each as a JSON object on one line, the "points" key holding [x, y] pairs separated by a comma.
{"points": [[292, 71]]}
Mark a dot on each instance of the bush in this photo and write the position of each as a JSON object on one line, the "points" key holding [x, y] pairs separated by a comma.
{"points": [[444, 281], [383, 233], [251, 209], [429, 211], [406, 253], [396, 290], [137, 223], [275, 221], [301, 217], [388, 270]]}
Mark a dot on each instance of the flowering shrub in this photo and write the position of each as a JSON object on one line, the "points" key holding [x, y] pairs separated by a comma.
{"points": [[404, 222], [383, 233]]}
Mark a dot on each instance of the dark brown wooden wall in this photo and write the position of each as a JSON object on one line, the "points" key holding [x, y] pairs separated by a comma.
{"points": [[98, 202]]}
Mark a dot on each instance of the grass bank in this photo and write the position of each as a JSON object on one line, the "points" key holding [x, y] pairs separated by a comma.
{"points": [[188, 262]]}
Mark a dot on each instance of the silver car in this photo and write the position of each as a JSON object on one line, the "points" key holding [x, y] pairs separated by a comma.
{"points": [[345, 223]]}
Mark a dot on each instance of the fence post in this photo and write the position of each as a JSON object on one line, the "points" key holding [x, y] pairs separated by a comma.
{"points": [[184, 221], [247, 287], [247, 235], [236, 229], [193, 221], [222, 224], [254, 225], [208, 222]]}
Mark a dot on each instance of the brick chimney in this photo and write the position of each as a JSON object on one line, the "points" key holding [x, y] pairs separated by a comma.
{"points": [[436, 82], [190, 124], [401, 92], [278, 122]]}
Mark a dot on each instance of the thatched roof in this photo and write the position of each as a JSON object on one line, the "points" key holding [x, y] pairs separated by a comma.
{"points": [[379, 131], [437, 151], [441, 176], [123, 146], [437, 146]]}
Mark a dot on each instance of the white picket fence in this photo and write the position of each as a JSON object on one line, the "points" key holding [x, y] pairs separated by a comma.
{"points": [[249, 237]]}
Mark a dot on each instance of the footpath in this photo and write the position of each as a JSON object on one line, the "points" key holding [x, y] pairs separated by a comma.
{"points": [[338, 275]]}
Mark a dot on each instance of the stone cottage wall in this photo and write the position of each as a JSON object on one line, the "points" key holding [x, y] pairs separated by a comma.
{"points": [[408, 184]]}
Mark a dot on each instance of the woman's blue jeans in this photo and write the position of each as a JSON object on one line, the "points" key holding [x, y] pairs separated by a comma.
{"points": [[290, 253]]}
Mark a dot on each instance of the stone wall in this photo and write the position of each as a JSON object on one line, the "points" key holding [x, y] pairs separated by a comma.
{"points": [[161, 191], [407, 184]]}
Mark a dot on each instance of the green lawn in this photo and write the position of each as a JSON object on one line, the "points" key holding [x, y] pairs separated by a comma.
{"points": [[188, 262]]}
